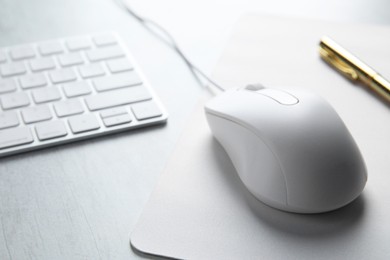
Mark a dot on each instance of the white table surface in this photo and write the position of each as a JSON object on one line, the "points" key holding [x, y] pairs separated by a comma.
{"points": [[82, 200]]}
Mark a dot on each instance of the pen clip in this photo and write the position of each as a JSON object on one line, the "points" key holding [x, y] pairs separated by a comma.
{"points": [[338, 63]]}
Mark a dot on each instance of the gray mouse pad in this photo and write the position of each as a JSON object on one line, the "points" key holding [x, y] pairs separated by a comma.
{"points": [[201, 210]]}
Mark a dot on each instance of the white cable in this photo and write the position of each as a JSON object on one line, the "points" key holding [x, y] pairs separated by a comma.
{"points": [[170, 41]]}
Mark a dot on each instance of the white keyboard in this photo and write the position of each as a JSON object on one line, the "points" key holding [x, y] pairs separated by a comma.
{"points": [[65, 90]]}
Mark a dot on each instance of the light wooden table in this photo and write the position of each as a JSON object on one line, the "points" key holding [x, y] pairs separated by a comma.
{"points": [[81, 201]]}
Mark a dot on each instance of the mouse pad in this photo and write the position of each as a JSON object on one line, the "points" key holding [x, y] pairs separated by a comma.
{"points": [[201, 210]]}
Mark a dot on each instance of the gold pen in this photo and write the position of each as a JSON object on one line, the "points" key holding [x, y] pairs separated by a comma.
{"points": [[353, 68]]}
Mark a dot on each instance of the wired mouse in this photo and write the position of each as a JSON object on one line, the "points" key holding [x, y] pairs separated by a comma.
{"points": [[289, 147]]}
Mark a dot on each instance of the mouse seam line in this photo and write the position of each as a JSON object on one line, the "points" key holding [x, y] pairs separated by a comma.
{"points": [[268, 146]]}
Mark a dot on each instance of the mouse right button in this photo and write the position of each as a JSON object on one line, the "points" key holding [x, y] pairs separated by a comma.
{"points": [[279, 96]]}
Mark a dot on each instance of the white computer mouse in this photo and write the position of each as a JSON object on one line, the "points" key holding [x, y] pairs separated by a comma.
{"points": [[289, 147]]}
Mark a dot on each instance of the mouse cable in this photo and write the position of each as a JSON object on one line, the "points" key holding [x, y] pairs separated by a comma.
{"points": [[170, 41]]}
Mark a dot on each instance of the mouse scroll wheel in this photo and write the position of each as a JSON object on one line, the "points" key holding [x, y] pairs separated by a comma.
{"points": [[279, 96], [254, 87]]}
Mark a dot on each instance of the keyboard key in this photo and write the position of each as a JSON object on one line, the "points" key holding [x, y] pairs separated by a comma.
{"points": [[121, 80], [15, 136], [46, 94], [50, 130], [106, 53], [14, 100], [77, 89], [3, 58], [117, 98], [22, 52], [8, 119], [117, 120], [119, 65], [33, 80], [104, 39], [79, 43], [62, 75], [11, 69], [83, 123], [68, 107], [36, 114], [42, 64], [115, 116], [70, 59], [91, 70], [146, 110], [7, 85], [113, 112], [49, 48]]}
